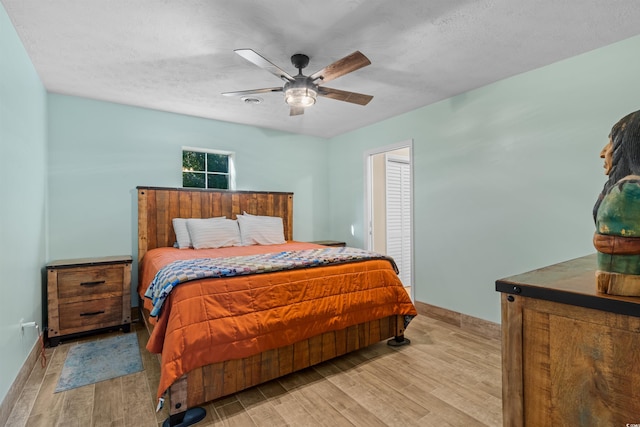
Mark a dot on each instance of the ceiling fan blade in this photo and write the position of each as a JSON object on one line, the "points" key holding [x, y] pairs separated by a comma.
{"points": [[262, 62], [343, 95], [343, 66], [296, 111], [253, 91]]}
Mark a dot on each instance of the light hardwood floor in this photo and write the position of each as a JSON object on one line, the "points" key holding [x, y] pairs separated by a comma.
{"points": [[446, 377]]}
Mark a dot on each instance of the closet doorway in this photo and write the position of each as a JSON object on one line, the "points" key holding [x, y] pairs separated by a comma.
{"points": [[389, 206]]}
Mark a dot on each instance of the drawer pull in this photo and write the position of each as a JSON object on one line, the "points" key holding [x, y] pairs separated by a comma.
{"points": [[92, 313], [97, 282]]}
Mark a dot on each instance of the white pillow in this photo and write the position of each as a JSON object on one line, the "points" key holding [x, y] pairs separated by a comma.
{"points": [[182, 233], [260, 230], [213, 233]]}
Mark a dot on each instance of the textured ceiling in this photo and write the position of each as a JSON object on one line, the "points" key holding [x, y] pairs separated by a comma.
{"points": [[178, 56]]}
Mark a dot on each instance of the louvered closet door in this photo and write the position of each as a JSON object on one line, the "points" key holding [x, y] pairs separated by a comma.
{"points": [[398, 189]]}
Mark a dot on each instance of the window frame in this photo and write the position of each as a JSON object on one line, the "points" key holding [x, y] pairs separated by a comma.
{"points": [[232, 170]]}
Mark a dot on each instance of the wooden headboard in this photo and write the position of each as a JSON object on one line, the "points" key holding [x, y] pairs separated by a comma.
{"points": [[158, 206]]}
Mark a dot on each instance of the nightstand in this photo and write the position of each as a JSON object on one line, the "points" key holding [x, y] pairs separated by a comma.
{"points": [[329, 243], [88, 294]]}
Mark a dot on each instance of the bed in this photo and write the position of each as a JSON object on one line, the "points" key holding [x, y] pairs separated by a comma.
{"points": [[365, 303]]}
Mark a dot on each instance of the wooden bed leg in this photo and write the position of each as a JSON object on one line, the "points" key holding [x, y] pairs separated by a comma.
{"points": [[179, 415], [399, 339]]}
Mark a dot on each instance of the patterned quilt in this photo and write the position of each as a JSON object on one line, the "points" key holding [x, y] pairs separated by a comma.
{"points": [[182, 271]]}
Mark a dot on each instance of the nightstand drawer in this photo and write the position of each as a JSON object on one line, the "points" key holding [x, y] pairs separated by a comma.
{"points": [[90, 282], [106, 311]]}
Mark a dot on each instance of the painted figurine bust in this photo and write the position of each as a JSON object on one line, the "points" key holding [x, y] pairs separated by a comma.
{"points": [[617, 211]]}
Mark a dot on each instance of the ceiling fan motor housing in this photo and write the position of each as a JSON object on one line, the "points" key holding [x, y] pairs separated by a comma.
{"points": [[300, 60]]}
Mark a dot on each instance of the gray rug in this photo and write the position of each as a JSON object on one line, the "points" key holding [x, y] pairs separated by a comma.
{"points": [[101, 360]]}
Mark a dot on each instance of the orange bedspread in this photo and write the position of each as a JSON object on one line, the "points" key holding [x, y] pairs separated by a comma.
{"points": [[213, 320]]}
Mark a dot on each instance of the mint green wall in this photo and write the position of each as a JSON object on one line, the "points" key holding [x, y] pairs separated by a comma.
{"points": [[23, 169], [100, 152], [505, 176]]}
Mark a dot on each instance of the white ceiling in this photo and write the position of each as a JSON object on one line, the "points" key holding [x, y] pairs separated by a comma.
{"points": [[178, 56]]}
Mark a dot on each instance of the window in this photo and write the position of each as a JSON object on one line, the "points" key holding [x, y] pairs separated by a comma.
{"points": [[202, 168]]}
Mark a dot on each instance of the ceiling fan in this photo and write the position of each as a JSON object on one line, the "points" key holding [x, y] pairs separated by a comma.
{"points": [[300, 91]]}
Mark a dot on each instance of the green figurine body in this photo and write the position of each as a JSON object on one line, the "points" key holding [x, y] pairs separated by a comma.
{"points": [[617, 211]]}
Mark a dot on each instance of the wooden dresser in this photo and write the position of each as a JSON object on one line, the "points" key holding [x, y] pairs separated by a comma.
{"points": [[571, 356], [88, 294]]}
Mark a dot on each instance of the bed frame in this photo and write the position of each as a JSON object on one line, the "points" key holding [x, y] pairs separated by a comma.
{"points": [[156, 208]]}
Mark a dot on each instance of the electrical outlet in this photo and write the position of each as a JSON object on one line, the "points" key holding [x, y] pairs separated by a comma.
{"points": [[27, 325]]}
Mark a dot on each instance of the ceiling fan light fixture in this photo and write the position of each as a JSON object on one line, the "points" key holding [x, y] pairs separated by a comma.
{"points": [[300, 96]]}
